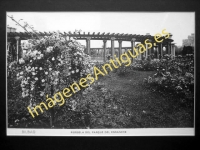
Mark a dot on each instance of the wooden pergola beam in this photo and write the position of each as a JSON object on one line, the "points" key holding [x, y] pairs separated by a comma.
{"points": [[94, 36]]}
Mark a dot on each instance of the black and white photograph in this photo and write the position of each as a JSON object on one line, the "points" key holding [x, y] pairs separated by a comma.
{"points": [[100, 73]]}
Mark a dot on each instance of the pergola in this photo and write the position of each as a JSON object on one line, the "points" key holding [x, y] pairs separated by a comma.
{"points": [[16, 37]]}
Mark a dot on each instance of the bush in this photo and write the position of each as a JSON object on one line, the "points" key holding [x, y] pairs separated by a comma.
{"points": [[174, 78], [50, 64]]}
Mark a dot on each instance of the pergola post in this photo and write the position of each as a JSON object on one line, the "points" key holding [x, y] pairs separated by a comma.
{"points": [[173, 50], [161, 50], [140, 55], [104, 50], [149, 51], [17, 47], [112, 46], [169, 48], [88, 45], [146, 52], [157, 51], [120, 47], [125, 50], [132, 47]]}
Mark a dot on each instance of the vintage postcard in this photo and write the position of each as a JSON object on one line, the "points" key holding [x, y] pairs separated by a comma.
{"points": [[100, 73]]}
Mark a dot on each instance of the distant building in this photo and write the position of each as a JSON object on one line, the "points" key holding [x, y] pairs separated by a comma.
{"points": [[10, 29], [189, 41]]}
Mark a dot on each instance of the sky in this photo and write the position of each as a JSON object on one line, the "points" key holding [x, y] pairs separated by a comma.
{"points": [[180, 24]]}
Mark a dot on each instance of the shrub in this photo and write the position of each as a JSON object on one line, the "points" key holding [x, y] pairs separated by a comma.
{"points": [[50, 64], [175, 78]]}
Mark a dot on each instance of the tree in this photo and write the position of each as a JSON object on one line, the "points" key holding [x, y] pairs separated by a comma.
{"points": [[187, 50]]}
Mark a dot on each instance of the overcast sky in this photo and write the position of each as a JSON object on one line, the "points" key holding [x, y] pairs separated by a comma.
{"points": [[180, 24]]}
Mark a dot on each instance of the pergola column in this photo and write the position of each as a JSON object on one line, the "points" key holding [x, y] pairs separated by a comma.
{"points": [[146, 52], [161, 50], [120, 47], [88, 45], [112, 46], [168, 48], [104, 50], [125, 50], [171, 47], [157, 51], [132, 46], [173, 50], [17, 46], [149, 51], [140, 55]]}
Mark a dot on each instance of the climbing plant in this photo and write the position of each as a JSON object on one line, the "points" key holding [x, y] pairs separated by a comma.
{"points": [[50, 64]]}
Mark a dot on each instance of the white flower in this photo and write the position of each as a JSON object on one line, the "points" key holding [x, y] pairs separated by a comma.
{"points": [[21, 73], [33, 69], [77, 70], [40, 68], [23, 94], [53, 58], [21, 61], [70, 67], [41, 55], [46, 73], [38, 57], [69, 73], [36, 78], [50, 69], [72, 71], [43, 80], [49, 49], [30, 60], [42, 93], [28, 78]]}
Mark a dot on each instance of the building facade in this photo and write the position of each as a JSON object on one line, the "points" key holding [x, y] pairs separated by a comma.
{"points": [[190, 41]]}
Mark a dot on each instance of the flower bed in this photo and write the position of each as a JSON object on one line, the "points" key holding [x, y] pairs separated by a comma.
{"points": [[174, 78]]}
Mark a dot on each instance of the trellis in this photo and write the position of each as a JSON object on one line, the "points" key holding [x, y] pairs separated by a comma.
{"points": [[15, 39]]}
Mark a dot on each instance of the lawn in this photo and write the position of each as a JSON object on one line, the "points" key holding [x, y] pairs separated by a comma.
{"points": [[147, 109]]}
